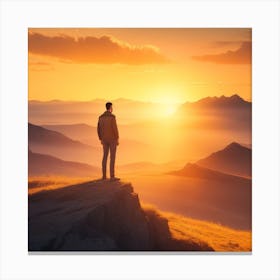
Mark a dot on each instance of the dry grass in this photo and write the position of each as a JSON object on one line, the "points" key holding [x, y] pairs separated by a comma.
{"points": [[40, 183], [220, 238]]}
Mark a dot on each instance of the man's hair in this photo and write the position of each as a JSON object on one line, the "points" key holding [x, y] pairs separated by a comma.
{"points": [[108, 105]]}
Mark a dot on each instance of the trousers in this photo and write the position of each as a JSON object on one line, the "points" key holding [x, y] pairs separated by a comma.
{"points": [[112, 147]]}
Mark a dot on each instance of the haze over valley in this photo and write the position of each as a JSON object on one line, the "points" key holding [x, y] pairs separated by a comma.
{"points": [[172, 161]]}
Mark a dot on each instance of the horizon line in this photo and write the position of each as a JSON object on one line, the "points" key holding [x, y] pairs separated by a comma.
{"points": [[135, 100]]}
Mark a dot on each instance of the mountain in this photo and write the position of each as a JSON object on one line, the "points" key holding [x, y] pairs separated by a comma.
{"points": [[78, 131], [213, 196], [231, 101], [45, 141], [217, 103], [98, 216], [196, 171], [40, 135], [228, 113], [42, 165], [234, 159], [218, 193]]}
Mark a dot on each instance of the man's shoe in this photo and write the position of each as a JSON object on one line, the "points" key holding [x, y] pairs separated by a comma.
{"points": [[115, 179], [104, 178]]}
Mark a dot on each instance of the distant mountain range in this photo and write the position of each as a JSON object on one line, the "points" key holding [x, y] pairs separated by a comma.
{"points": [[231, 163], [39, 135], [45, 141], [75, 131], [46, 165], [88, 106], [63, 129], [222, 102], [127, 111], [233, 159], [228, 113]]}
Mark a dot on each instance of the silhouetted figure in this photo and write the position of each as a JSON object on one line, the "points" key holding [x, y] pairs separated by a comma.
{"points": [[109, 136]]}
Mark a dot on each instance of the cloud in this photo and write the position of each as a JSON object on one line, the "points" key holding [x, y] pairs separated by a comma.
{"points": [[243, 55], [218, 44], [91, 49], [40, 66]]}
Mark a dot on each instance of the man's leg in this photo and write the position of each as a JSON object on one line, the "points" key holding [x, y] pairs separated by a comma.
{"points": [[113, 148], [104, 160]]}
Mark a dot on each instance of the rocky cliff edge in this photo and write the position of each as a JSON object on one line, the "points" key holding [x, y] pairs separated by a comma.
{"points": [[98, 216]]}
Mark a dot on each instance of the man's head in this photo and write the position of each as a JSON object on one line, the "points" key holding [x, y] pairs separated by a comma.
{"points": [[109, 106]]}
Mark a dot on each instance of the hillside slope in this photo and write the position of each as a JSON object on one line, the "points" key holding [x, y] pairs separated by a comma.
{"points": [[45, 141], [220, 238], [46, 165], [40, 135], [196, 171]]}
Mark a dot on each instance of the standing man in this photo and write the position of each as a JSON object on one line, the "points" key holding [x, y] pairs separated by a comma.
{"points": [[109, 136]]}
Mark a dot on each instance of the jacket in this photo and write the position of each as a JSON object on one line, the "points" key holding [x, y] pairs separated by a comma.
{"points": [[107, 129]]}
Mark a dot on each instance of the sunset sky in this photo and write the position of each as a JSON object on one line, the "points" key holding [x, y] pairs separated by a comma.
{"points": [[155, 65]]}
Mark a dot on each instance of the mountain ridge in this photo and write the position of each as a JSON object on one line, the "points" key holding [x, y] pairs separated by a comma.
{"points": [[231, 97], [39, 134], [45, 141], [46, 165], [197, 171], [234, 99], [233, 159]]}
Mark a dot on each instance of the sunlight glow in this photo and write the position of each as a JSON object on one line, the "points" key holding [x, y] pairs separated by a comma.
{"points": [[169, 109]]}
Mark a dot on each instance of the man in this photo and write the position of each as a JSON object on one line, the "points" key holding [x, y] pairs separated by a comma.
{"points": [[109, 136]]}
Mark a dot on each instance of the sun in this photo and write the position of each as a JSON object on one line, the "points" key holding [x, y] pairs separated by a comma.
{"points": [[169, 109], [168, 98], [169, 104]]}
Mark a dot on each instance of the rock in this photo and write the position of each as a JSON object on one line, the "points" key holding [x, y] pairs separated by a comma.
{"points": [[90, 216], [97, 216]]}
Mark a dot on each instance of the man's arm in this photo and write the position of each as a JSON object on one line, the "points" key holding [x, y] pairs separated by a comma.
{"points": [[115, 128], [99, 131]]}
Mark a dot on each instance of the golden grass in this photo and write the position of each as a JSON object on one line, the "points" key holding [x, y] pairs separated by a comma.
{"points": [[39, 183], [220, 238]]}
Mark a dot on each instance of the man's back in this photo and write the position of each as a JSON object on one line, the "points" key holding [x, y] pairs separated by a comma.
{"points": [[107, 127]]}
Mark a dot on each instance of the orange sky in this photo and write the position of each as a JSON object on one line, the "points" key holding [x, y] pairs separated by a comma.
{"points": [[158, 65]]}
